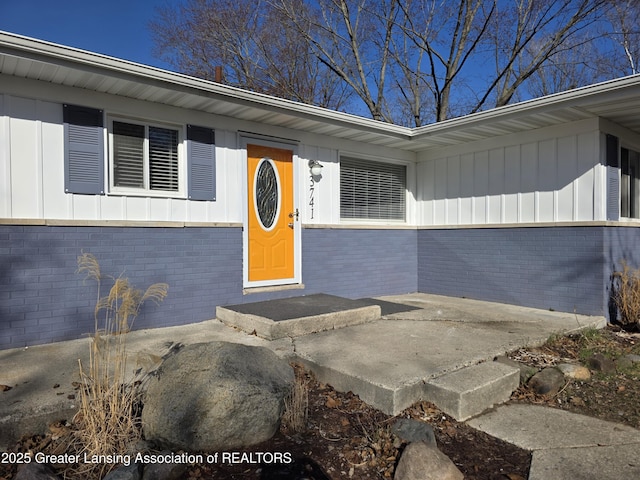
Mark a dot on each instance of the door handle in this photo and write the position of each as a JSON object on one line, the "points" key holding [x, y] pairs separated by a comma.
{"points": [[295, 215]]}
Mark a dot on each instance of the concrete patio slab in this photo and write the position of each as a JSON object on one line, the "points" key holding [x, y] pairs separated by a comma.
{"points": [[565, 445], [591, 463], [387, 362], [545, 428]]}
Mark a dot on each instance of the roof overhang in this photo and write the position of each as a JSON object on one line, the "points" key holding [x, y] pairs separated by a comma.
{"points": [[617, 100]]}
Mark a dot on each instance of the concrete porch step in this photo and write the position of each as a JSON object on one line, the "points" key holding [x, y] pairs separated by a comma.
{"points": [[399, 350], [297, 316], [470, 391], [461, 394]]}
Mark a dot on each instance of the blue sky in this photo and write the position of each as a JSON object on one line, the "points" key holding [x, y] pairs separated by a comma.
{"points": [[118, 28]]}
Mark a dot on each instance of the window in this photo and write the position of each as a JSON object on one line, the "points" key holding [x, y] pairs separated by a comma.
{"points": [[145, 157], [372, 190], [629, 183]]}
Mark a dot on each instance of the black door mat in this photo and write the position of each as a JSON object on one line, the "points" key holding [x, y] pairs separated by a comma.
{"points": [[389, 308], [311, 305], [299, 307]]}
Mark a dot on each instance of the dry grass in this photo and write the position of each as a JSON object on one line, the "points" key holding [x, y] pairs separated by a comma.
{"points": [[108, 419], [627, 295], [296, 404]]}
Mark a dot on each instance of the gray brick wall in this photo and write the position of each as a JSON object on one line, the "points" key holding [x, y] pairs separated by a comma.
{"points": [[43, 299], [356, 263], [559, 268]]}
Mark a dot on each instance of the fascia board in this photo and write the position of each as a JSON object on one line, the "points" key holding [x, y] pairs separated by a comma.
{"points": [[41, 51], [576, 99], [73, 58]]}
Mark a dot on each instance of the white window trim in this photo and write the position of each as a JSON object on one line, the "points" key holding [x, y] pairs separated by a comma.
{"points": [[147, 192], [629, 199], [375, 221]]}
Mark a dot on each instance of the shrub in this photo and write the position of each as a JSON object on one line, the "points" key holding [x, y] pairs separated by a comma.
{"points": [[108, 419], [626, 294]]}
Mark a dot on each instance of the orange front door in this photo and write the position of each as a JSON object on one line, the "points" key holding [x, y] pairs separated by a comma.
{"points": [[271, 216]]}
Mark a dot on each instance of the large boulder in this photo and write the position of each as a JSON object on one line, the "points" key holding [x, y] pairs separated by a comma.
{"points": [[216, 396]]}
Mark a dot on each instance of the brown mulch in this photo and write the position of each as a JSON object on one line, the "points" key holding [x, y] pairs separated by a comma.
{"points": [[347, 439], [611, 397]]}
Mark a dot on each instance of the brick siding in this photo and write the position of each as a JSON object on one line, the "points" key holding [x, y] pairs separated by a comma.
{"points": [[43, 299], [356, 263], [559, 268]]}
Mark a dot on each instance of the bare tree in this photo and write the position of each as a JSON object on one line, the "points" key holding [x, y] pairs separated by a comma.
{"points": [[352, 40], [252, 43], [573, 67], [526, 34], [624, 21], [448, 34], [406, 61]]}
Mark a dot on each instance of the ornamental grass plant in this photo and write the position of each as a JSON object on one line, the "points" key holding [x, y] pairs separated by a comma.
{"points": [[110, 399], [296, 403], [626, 294]]}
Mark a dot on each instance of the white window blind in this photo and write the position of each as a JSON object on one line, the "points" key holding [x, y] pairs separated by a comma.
{"points": [[163, 159], [145, 157], [372, 190], [128, 155]]}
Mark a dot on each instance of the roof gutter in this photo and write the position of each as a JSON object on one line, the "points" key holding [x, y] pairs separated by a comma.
{"points": [[73, 58], [568, 99]]}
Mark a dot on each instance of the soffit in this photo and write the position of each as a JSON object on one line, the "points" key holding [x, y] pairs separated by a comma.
{"points": [[27, 58], [616, 100]]}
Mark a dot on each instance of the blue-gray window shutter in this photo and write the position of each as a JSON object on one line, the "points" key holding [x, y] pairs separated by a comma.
{"points": [[201, 159], [613, 177], [83, 150]]}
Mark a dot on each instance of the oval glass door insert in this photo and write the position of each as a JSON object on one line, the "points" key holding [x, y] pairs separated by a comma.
{"points": [[266, 193]]}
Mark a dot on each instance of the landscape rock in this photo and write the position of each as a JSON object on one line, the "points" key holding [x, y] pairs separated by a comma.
{"points": [[600, 363], [216, 396], [301, 468], [164, 471], [627, 361], [577, 401], [632, 357], [548, 381], [131, 472], [420, 461], [35, 471], [411, 430], [526, 371], [576, 372]]}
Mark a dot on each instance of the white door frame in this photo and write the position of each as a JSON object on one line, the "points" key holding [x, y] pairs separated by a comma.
{"points": [[247, 139]]}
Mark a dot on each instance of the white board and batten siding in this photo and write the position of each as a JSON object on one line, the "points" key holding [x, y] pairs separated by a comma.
{"points": [[32, 184], [32, 165], [548, 175]]}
